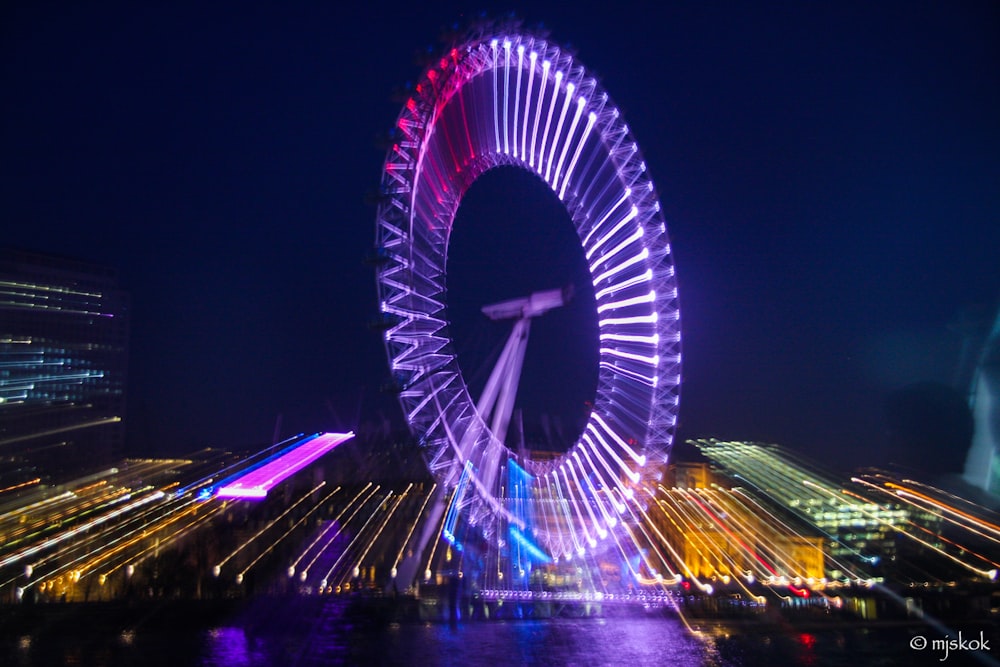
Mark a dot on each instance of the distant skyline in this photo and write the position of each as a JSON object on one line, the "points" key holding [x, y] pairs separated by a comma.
{"points": [[828, 172]]}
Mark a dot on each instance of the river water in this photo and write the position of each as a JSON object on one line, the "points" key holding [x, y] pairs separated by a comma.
{"points": [[617, 642], [331, 639]]}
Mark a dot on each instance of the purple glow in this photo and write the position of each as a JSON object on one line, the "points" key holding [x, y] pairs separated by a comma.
{"points": [[235, 491], [563, 127], [257, 483]]}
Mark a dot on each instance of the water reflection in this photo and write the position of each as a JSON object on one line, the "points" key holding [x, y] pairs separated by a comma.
{"points": [[235, 646], [327, 637], [619, 642], [226, 646]]}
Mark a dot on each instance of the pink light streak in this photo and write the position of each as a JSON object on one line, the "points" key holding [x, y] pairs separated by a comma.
{"points": [[256, 484]]}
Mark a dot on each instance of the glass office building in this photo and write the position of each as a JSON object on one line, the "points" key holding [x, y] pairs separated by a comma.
{"points": [[860, 530], [63, 364]]}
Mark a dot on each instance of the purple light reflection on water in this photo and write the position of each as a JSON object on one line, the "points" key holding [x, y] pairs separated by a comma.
{"points": [[618, 642], [227, 646], [627, 641], [314, 630], [235, 646], [624, 642]]}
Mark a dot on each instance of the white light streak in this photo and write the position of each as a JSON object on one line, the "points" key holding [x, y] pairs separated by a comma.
{"points": [[496, 100], [632, 238], [653, 361], [591, 119], [632, 261], [580, 103], [641, 460], [548, 120], [546, 65], [649, 297], [614, 230], [555, 139], [632, 475], [644, 277], [532, 58], [517, 93], [604, 218], [506, 88]]}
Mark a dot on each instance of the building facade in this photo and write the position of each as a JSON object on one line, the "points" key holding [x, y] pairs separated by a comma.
{"points": [[64, 329]]}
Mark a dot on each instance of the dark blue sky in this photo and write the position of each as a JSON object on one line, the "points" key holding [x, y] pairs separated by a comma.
{"points": [[829, 172]]}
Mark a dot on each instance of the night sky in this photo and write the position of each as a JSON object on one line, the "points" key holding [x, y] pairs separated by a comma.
{"points": [[829, 173]]}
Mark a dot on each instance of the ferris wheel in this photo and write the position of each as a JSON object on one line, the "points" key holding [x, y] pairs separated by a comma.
{"points": [[509, 98]]}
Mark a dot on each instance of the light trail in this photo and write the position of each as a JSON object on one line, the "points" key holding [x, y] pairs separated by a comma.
{"points": [[305, 571], [427, 498], [322, 533], [548, 120], [267, 527], [137, 559], [78, 573], [987, 574], [256, 483], [25, 553], [440, 532], [899, 528], [101, 540], [567, 98], [591, 119], [517, 93], [930, 507], [580, 104], [768, 535], [985, 525], [378, 532], [532, 58], [22, 485], [15, 515], [64, 429], [246, 464], [53, 522], [350, 544], [678, 559], [95, 545], [303, 518], [706, 551]]}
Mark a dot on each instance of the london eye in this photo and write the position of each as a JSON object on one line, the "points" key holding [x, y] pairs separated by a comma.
{"points": [[508, 98]]}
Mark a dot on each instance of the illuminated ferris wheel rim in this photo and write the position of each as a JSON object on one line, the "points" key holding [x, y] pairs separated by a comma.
{"points": [[513, 99]]}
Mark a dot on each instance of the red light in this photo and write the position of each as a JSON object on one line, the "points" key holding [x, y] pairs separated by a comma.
{"points": [[801, 592]]}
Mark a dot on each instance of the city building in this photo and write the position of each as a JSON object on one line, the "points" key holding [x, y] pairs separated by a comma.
{"points": [[64, 331], [865, 525], [717, 532]]}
